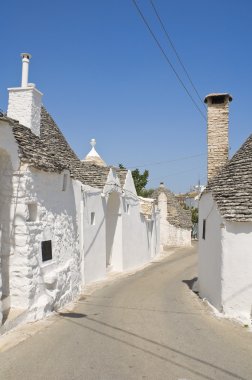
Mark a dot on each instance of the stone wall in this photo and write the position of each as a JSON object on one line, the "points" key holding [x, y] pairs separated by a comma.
{"points": [[217, 135], [170, 235]]}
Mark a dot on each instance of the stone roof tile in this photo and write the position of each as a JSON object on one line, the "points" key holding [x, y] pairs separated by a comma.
{"points": [[51, 152], [176, 215], [232, 187]]}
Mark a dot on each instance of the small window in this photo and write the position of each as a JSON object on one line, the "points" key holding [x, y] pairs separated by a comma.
{"points": [[204, 229], [128, 209], [64, 185], [92, 218], [32, 212], [46, 247]]}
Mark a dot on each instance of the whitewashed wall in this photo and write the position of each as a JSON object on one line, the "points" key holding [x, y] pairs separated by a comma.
{"points": [[35, 207], [9, 163], [25, 106], [140, 236], [237, 270], [29, 283], [210, 252], [225, 262], [94, 235], [51, 284]]}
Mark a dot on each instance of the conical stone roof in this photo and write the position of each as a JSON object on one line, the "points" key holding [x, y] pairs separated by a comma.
{"points": [[93, 157]]}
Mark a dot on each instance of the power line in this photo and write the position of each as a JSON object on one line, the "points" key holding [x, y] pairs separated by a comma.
{"points": [[176, 173], [166, 162], [176, 53], [167, 59]]}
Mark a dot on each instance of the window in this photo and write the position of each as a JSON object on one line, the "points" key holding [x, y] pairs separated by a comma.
{"points": [[64, 185], [92, 218], [46, 247], [204, 229], [127, 208], [32, 212]]}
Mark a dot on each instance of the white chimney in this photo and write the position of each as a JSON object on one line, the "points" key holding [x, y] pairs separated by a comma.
{"points": [[25, 68], [25, 102]]}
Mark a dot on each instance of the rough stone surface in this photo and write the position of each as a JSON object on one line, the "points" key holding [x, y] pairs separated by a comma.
{"points": [[232, 187], [217, 135], [51, 152], [175, 222], [176, 215]]}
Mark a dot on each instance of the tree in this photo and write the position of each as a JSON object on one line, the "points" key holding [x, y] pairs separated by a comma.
{"points": [[140, 181], [194, 212], [195, 215]]}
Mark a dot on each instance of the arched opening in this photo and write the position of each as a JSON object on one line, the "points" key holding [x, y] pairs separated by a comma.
{"points": [[113, 233], [6, 173]]}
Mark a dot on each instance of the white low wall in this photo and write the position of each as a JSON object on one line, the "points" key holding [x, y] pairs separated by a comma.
{"points": [[172, 236]]}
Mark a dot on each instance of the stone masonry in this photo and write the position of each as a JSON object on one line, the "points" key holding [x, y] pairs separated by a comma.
{"points": [[217, 134]]}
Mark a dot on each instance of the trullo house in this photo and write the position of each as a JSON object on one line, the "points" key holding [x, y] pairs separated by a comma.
{"points": [[225, 219], [64, 222]]}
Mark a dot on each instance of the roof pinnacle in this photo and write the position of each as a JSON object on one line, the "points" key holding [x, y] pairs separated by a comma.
{"points": [[93, 143]]}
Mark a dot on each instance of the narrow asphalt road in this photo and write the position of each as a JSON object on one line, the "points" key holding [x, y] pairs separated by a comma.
{"points": [[146, 326]]}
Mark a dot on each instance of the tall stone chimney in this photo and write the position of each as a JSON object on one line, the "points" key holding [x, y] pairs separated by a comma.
{"points": [[25, 102], [217, 132]]}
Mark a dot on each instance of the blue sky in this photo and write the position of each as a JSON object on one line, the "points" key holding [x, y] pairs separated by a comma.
{"points": [[103, 76]]}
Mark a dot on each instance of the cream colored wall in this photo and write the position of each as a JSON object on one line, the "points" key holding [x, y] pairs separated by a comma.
{"points": [[210, 252]]}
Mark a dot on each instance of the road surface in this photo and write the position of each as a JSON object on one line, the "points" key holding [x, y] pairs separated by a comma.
{"points": [[149, 325]]}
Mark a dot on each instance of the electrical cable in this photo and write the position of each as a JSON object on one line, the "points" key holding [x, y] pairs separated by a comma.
{"points": [[176, 53], [167, 59], [165, 162]]}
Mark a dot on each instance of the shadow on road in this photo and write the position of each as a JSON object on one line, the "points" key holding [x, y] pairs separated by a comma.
{"points": [[192, 284], [222, 371], [73, 315]]}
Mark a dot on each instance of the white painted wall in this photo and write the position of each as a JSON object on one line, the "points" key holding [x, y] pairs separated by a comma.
{"points": [[113, 215], [64, 217], [210, 249], [9, 161], [121, 238], [94, 235], [34, 284], [25, 106], [237, 270], [140, 236], [29, 283]]}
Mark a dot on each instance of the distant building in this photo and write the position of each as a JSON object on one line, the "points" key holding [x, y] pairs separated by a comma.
{"points": [[191, 198], [175, 222]]}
